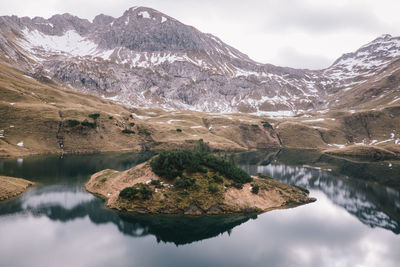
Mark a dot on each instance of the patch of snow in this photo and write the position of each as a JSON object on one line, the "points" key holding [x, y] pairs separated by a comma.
{"points": [[171, 121], [196, 127], [12, 104], [144, 14], [70, 42], [337, 145], [163, 19], [390, 165], [11, 126], [210, 128], [148, 181], [392, 135], [20, 144], [140, 117], [29, 77], [382, 142], [316, 120], [395, 100], [373, 142]]}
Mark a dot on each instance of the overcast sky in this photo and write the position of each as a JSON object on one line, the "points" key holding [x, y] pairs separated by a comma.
{"points": [[295, 33]]}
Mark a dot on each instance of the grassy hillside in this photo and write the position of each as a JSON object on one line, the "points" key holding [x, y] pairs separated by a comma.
{"points": [[40, 117]]}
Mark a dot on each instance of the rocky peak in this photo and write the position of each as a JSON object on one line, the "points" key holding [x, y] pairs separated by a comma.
{"points": [[103, 20]]}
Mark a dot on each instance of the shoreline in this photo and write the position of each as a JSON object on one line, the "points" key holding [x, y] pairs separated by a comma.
{"points": [[11, 187]]}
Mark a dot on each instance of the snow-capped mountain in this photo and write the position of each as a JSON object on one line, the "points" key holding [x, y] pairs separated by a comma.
{"points": [[146, 58]]}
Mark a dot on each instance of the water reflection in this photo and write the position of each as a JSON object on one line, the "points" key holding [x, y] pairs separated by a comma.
{"points": [[64, 206], [58, 223], [61, 197], [362, 188]]}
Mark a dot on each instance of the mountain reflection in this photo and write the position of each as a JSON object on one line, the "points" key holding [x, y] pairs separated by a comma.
{"points": [[367, 190], [70, 205]]}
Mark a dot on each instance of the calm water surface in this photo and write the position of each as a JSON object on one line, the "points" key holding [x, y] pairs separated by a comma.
{"points": [[355, 222]]}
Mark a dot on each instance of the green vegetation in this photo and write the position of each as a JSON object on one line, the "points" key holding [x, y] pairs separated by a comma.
{"points": [[237, 185], [255, 189], [138, 191], [218, 179], [72, 123], [143, 131], [132, 124], [305, 190], [213, 189], [128, 131], [94, 116], [172, 164], [202, 146], [88, 124], [156, 183], [266, 124], [179, 130], [184, 182], [110, 117]]}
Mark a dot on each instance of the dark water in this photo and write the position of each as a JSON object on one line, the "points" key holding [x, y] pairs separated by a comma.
{"points": [[355, 222]]}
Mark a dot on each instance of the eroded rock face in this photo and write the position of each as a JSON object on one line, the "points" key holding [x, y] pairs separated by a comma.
{"points": [[167, 199]]}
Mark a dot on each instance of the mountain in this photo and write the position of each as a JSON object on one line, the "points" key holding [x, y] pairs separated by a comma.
{"points": [[147, 59]]}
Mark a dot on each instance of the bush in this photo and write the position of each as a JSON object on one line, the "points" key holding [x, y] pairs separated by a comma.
{"points": [[138, 191], [73, 123], [110, 117], [127, 131], [255, 189], [184, 182], [89, 124], [213, 189], [218, 179], [171, 164], [156, 183], [144, 131], [94, 115], [266, 124], [179, 130], [131, 116], [202, 147], [132, 124], [237, 185], [305, 190]]}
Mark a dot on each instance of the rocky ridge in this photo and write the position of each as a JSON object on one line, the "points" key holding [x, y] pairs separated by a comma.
{"points": [[148, 59]]}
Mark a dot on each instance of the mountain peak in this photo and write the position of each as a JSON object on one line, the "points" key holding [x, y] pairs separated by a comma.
{"points": [[385, 37]]}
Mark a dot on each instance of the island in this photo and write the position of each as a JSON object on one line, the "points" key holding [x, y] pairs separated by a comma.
{"points": [[12, 187], [192, 183]]}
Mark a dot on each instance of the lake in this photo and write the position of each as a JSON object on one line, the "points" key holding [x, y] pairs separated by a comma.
{"points": [[354, 222]]}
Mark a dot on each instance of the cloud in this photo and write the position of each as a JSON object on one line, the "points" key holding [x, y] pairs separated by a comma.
{"points": [[314, 18], [290, 56]]}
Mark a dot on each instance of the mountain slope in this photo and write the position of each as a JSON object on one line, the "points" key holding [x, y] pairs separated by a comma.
{"points": [[147, 59]]}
